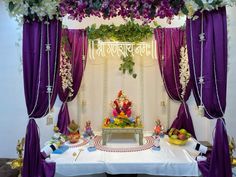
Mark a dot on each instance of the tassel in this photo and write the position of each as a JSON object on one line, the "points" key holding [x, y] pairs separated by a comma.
{"points": [[201, 110]]}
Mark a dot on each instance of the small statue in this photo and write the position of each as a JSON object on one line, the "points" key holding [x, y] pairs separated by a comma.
{"points": [[74, 134], [158, 129], [88, 132]]}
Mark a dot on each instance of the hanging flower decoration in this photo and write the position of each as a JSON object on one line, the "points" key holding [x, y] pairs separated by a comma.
{"points": [[33, 9], [145, 10], [66, 69], [184, 69], [192, 6]]}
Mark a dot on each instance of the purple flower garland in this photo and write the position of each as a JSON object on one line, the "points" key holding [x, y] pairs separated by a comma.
{"points": [[145, 10]]}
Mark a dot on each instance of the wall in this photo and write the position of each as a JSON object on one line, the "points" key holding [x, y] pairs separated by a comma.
{"points": [[13, 115], [13, 119], [231, 94], [12, 108]]}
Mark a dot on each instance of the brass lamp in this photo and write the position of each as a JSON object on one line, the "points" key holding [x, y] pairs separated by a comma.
{"points": [[231, 150], [18, 163]]}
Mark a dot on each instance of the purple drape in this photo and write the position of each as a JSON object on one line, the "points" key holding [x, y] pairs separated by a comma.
{"points": [[208, 60], [169, 42], [39, 70], [78, 46]]}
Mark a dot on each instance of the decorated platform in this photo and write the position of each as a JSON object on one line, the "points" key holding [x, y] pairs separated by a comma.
{"points": [[122, 119]]}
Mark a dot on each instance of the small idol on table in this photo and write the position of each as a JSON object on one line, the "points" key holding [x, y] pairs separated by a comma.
{"points": [[157, 134], [158, 129], [88, 132]]}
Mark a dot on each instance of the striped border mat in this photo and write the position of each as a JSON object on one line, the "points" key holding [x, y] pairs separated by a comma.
{"points": [[82, 142], [148, 144]]}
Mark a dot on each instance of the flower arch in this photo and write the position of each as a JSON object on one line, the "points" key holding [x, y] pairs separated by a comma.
{"points": [[145, 10]]}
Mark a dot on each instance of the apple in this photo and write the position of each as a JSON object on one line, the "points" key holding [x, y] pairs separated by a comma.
{"points": [[182, 136]]}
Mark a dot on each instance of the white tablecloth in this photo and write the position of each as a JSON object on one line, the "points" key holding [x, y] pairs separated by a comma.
{"points": [[171, 160]]}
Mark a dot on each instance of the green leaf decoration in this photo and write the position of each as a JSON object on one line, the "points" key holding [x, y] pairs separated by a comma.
{"points": [[11, 6], [156, 24], [129, 32], [216, 3], [199, 3], [184, 10]]}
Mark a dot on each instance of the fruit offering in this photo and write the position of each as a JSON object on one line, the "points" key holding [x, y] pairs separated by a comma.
{"points": [[178, 137], [74, 134]]}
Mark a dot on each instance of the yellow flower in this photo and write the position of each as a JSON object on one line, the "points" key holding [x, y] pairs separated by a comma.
{"points": [[117, 121]]}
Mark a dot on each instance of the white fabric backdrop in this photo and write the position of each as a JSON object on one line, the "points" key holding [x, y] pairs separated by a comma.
{"points": [[102, 81]]}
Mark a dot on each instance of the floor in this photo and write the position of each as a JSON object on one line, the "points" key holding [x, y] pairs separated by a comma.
{"points": [[103, 175], [5, 169]]}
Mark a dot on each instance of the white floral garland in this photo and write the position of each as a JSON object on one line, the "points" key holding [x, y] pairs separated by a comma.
{"points": [[192, 5], [20, 8], [184, 69], [65, 73]]}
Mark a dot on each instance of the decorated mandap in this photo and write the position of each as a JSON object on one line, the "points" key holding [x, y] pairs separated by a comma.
{"points": [[189, 59]]}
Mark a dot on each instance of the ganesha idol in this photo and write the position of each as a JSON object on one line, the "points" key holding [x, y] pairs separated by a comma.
{"points": [[122, 104], [122, 113]]}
